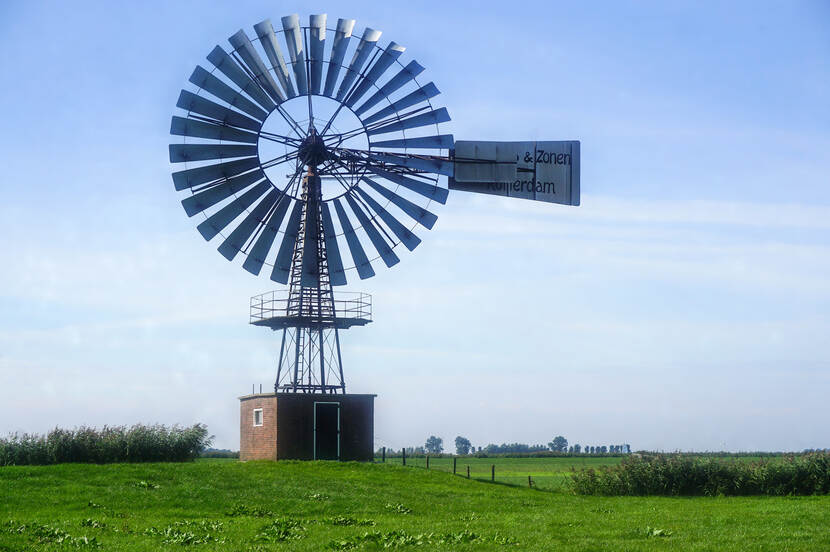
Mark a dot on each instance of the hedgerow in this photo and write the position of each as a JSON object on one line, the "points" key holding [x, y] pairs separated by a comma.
{"points": [[139, 443], [682, 475]]}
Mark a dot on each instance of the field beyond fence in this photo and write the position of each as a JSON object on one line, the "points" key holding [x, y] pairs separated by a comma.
{"points": [[549, 473]]}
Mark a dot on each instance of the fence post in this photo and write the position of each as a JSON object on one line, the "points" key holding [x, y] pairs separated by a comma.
{"points": [[529, 482], [454, 460], [427, 461], [468, 472], [403, 455], [492, 472], [384, 454]]}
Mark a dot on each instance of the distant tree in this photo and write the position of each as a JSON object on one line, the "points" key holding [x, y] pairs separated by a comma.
{"points": [[577, 448], [592, 449], [627, 448], [462, 445], [603, 449], [559, 444], [571, 449], [434, 445]]}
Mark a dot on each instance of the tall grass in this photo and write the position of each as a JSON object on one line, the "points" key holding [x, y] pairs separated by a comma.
{"points": [[139, 443], [680, 475]]}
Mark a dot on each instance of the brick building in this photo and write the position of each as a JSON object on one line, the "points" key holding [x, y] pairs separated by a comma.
{"points": [[304, 426]]}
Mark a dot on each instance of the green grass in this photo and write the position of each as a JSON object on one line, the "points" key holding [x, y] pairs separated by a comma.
{"points": [[549, 473], [312, 504]]}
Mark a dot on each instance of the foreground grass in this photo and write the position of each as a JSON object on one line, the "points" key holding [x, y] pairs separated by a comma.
{"points": [[110, 503]]}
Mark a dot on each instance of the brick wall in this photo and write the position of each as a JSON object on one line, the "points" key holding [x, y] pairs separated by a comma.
{"points": [[260, 442]]}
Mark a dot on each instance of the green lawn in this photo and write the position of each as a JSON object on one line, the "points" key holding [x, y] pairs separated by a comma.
{"points": [[142, 506]]}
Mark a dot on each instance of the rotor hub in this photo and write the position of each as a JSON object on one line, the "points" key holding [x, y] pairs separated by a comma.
{"points": [[312, 150]]}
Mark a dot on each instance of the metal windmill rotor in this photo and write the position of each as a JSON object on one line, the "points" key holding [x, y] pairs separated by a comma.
{"points": [[327, 160]]}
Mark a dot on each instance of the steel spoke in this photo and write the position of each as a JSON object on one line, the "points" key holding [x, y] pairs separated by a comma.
{"points": [[278, 160]]}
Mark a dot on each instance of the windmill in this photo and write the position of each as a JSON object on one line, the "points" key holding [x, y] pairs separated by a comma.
{"points": [[312, 154]]}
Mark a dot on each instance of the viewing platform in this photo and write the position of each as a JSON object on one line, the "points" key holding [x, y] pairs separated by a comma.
{"points": [[274, 310]]}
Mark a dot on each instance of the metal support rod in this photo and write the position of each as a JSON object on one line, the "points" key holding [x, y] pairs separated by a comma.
{"points": [[279, 364]]}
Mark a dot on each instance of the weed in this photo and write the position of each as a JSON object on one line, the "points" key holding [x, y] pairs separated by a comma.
{"points": [[654, 532], [348, 521], [182, 532], [398, 538], [602, 511], [94, 523], [146, 485], [47, 534], [398, 508], [281, 529], [250, 511]]}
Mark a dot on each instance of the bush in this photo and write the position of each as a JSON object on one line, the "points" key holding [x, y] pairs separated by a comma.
{"points": [[138, 443], [681, 475]]}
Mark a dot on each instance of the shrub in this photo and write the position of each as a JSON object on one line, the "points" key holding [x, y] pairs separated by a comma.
{"points": [[139, 443], [681, 475]]}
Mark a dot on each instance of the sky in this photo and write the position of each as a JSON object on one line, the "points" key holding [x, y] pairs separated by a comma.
{"points": [[684, 305]]}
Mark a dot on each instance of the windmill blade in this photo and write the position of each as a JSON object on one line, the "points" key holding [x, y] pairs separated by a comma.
{"points": [[282, 266], [403, 233], [197, 104], [361, 54], [206, 81], [418, 213], [207, 198], [338, 51], [221, 218], [245, 49], [424, 119], [423, 94], [225, 63], [310, 273], [234, 243], [439, 141], [361, 262], [337, 276], [437, 166], [181, 126], [316, 49], [294, 41], [268, 40], [392, 52], [256, 256], [408, 73], [180, 153], [418, 186], [191, 177], [377, 240]]}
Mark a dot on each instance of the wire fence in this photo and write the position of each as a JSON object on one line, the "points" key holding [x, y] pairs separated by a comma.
{"points": [[547, 474]]}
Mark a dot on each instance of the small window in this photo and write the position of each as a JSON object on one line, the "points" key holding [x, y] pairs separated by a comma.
{"points": [[258, 417]]}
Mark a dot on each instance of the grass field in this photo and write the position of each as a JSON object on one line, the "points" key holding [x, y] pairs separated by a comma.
{"points": [[548, 474], [342, 506]]}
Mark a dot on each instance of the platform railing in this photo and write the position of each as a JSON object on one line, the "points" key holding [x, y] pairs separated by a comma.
{"points": [[274, 304]]}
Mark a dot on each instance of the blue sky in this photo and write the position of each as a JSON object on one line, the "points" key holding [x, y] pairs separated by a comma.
{"points": [[683, 305]]}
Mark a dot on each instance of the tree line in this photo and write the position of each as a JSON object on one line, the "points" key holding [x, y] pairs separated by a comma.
{"points": [[464, 447]]}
